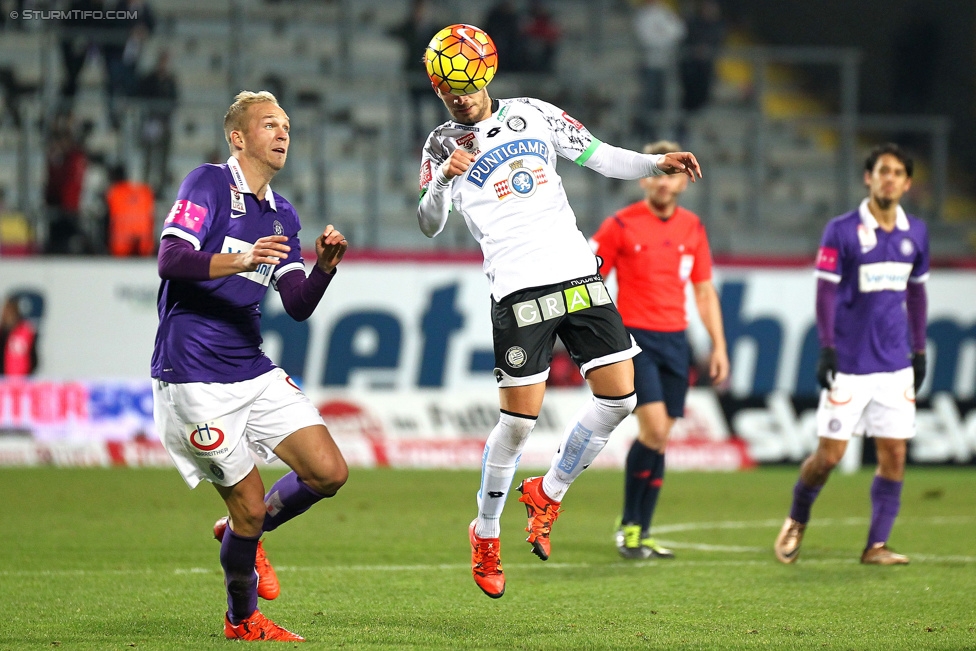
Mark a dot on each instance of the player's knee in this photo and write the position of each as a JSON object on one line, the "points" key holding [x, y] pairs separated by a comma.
{"points": [[513, 430], [830, 458], [616, 409], [327, 479], [248, 519]]}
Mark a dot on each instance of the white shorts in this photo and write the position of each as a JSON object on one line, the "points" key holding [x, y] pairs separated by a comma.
{"points": [[210, 429], [877, 404]]}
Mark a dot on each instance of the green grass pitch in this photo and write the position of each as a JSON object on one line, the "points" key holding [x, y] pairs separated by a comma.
{"points": [[123, 559]]}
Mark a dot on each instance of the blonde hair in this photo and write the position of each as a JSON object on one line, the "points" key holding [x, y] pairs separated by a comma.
{"points": [[661, 147], [236, 117]]}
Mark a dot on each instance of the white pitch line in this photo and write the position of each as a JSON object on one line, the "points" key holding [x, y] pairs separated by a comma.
{"points": [[461, 567], [818, 522], [670, 528]]}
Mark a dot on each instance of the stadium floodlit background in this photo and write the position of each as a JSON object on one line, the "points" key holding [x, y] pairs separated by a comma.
{"points": [[398, 356]]}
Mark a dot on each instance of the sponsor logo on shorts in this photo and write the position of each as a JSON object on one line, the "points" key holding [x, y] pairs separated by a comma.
{"points": [[499, 376], [216, 471], [516, 357], [292, 383], [563, 302], [576, 299], [206, 437]]}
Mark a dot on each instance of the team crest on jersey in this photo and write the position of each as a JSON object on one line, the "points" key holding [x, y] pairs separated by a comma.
{"points": [[515, 123], [468, 143], [278, 228], [237, 200], [521, 182], [906, 247]]}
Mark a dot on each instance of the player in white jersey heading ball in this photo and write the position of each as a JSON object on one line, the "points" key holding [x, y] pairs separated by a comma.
{"points": [[494, 162]]}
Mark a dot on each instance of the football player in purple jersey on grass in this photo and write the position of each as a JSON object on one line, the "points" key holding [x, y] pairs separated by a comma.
{"points": [[871, 271], [217, 397]]}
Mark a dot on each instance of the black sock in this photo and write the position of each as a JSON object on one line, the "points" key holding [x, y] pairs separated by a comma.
{"points": [[650, 495], [641, 462]]}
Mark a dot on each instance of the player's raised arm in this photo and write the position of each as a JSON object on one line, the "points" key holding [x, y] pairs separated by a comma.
{"points": [[620, 163]]}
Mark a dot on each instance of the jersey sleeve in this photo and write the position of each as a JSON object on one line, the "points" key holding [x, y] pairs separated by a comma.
{"points": [[435, 196], [702, 269], [196, 205], [294, 261], [829, 264], [920, 268], [606, 242], [571, 139]]}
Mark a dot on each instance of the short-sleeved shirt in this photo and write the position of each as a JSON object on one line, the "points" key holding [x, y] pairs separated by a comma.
{"points": [[654, 258], [511, 197], [210, 331], [872, 269]]}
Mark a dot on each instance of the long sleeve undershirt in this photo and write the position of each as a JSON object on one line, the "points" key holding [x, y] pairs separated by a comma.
{"points": [[300, 295]]}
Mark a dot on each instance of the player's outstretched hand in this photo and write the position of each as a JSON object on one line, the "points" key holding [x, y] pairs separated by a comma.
{"points": [[267, 250], [330, 246], [680, 162], [457, 164]]}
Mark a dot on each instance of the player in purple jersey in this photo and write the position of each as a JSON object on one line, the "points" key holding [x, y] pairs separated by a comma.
{"points": [[871, 271], [217, 398]]}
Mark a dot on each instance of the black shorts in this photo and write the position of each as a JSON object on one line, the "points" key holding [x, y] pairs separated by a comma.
{"points": [[525, 325], [661, 369]]}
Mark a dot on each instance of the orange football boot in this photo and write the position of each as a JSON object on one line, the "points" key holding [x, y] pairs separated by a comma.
{"points": [[258, 628], [542, 512], [486, 564]]}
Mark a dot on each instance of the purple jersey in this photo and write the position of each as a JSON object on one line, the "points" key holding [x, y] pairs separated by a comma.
{"points": [[872, 269], [210, 331]]}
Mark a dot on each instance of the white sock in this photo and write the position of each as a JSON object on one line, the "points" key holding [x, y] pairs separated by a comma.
{"points": [[583, 440], [498, 464]]}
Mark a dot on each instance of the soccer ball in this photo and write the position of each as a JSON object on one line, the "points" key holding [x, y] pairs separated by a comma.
{"points": [[460, 59]]}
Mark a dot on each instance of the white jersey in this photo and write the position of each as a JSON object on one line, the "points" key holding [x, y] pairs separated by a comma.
{"points": [[511, 197]]}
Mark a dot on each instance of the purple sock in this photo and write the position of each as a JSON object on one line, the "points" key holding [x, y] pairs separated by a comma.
{"points": [[237, 554], [803, 498], [288, 498], [885, 502]]}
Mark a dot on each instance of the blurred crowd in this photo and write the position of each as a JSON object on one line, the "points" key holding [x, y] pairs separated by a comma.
{"points": [[140, 94], [678, 42]]}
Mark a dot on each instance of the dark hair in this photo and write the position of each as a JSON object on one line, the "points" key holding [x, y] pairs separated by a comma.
{"points": [[894, 150]]}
